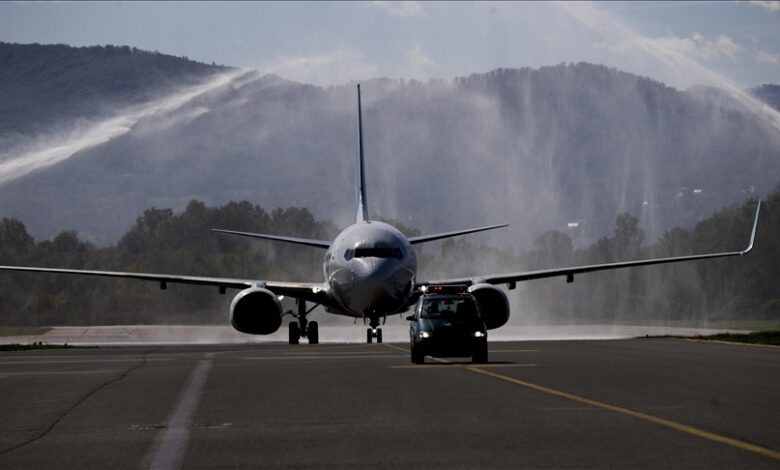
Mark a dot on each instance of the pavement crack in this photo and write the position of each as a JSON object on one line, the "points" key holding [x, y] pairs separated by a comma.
{"points": [[78, 403]]}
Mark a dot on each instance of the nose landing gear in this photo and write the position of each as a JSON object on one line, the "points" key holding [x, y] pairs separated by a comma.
{"points": [[303, 328], [374, 332]]}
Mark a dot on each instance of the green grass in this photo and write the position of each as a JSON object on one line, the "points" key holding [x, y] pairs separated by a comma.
{"points": [[758, 337], [747, 325], [22, 330], [750, 325]]}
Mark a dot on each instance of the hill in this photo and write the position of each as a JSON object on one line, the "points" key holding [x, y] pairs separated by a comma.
{"points": [[45, 85], [769, 94], [563, 147]]}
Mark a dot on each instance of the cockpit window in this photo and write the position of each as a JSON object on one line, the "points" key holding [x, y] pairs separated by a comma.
{"points": [[373, 252], [454, 309]]}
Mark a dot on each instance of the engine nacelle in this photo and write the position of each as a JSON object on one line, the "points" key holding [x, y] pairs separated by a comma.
{"points": [[492, 303], [256, 311]]}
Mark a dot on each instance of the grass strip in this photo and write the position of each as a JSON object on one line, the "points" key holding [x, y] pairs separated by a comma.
{"points": [[23, 330], [758, 337]]}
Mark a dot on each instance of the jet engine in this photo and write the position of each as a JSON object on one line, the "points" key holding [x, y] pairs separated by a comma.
{"points": [[256, 311], [493, 304]]}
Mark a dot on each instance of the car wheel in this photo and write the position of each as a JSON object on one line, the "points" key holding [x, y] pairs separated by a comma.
{"points": [[480, 355], [417, 356]]}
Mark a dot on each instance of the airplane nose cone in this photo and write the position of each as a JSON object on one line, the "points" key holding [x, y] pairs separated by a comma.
{"points": [[378, 285], [374, 269]]}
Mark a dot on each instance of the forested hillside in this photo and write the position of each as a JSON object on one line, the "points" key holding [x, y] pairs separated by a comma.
{"points": [[167, 242], [570, 145], [54, 85]]}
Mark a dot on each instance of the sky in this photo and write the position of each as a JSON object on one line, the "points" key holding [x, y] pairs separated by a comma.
{"points": [[733, 44]]}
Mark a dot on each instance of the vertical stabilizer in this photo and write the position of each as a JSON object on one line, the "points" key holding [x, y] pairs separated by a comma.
{"points": [[360, 176]]}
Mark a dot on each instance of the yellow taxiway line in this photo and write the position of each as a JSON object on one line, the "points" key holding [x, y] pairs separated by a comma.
{"points": [[668, 423], [756, 449]]}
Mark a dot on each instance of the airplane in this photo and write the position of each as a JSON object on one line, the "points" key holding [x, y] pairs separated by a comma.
{"points": [[370, 272]]}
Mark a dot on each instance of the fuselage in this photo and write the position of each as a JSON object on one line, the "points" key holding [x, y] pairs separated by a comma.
{"points": [[371, 269]]}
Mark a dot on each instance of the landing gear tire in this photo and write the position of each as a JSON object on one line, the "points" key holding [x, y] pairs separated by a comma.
{"points": [[417, 356], [480, 355], [372, 333], [313, 333], [295, 332]]}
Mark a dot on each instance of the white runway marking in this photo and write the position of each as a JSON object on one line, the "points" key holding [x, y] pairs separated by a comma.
{"points": [[174, 441]]}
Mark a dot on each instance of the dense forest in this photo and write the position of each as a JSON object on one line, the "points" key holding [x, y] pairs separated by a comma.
{"points": [[167, 242]]}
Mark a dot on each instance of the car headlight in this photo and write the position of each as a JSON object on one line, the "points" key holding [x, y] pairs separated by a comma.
{"points": [[425, 335], [479, 334]]}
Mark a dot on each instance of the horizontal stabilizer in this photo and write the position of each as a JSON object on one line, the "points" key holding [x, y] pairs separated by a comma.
{"points": [[439, 236], [298, 241]]}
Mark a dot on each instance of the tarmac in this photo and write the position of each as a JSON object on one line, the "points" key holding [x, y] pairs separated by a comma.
{"points": [[395, 331], [637, 403]]}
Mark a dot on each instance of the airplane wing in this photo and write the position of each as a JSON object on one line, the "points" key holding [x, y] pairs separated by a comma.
{"points": [[299, 241], [512, 278], [310, 291]]}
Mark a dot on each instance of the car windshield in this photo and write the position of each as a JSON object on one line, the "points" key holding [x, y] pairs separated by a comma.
{"points": [[452, 309]]}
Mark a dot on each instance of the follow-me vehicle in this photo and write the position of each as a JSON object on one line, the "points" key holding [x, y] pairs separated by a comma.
{"points": [[447, 323], [370, 272]]}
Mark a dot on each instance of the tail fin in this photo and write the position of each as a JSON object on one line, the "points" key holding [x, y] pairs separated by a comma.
{"points": [[360, 177]]}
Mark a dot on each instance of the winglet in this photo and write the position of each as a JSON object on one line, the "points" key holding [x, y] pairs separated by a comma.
{"points": [[753, 233], [360, 177]]}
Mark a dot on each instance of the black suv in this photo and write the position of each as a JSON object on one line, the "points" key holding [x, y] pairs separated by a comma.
{"points": [[447, 325]]}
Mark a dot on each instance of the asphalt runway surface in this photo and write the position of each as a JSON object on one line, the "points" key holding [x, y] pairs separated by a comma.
{"points": [[644, 403]]}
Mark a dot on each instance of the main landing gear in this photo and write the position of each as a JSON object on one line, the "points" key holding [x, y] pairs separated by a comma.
{"points": [[303, 328], [374, 331]]}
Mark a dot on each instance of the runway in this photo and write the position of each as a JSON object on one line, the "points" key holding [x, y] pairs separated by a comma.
{"points": [[644, 403], [396, 330]]}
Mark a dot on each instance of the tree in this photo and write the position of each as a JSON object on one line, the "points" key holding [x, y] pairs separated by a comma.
{"points": [[674, 242], [554, 248], [628, 237], [14, 239]]}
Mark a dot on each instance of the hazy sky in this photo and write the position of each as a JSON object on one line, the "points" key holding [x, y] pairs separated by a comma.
{"points": [[680, 43]]}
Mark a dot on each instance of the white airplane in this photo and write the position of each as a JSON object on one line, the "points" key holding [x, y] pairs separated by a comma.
{"points": [[370, 273]]}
